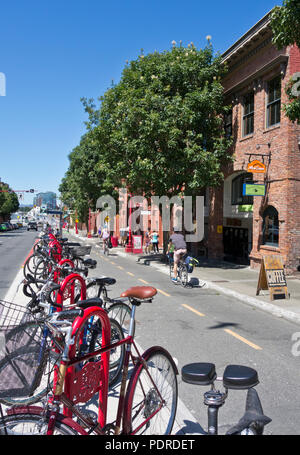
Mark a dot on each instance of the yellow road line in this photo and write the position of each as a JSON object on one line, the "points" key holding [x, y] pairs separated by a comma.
{"points": [[163, 292], [244, 340], [193, 309], [112, 262], [120, 267], [143, 281], [131, 274]]}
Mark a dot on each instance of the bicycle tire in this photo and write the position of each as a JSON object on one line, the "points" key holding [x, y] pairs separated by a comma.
{"points": [[142, 398], [183, 275], [31, 421], [30, 264], [27, 333], [121, 312]]}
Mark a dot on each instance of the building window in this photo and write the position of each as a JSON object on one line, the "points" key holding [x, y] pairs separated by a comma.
{"points": [[270, 227], [228, 124], [237, 197], [248, 115], [274, 102]]}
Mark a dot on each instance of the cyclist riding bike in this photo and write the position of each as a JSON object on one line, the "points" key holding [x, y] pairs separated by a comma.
{"points": [[105, 238], [177, 241]]}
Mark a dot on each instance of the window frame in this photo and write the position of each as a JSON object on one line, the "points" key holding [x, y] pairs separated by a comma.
{"points": [[228, 124], [246, 116], [275, 102], [239, 180], [270, 209]]}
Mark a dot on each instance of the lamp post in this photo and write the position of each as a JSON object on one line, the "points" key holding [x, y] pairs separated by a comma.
{"points": [[129, 246]]}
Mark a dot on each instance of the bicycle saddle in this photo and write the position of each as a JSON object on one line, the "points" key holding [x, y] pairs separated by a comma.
{"points": [[90, 263], [105, 280], [239, 377], [140, 292], [90, 302]]}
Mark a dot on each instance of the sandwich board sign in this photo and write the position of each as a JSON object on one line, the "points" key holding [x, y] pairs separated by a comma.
{"points": [[272, 277]]}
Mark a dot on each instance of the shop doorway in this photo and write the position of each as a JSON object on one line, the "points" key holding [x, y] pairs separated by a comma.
{"points": [[236, 245]]}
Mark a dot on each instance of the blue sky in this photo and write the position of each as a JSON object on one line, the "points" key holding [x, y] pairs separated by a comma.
{"points": [[55, 52]]}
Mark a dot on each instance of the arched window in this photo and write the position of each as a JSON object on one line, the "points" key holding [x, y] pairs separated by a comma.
{"points": [[270, 226]]}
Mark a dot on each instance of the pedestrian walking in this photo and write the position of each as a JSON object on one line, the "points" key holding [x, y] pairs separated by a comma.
{"points": [[147, 241], [154, 240]]}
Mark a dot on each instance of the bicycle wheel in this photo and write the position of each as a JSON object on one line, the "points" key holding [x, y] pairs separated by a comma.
{"points": [[183, 275], [30, 264], [27, 367], [32, 422], [121, 312], [152, 394]]}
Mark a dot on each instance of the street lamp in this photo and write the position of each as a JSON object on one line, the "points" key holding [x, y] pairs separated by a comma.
{"points": [[129, 246]]}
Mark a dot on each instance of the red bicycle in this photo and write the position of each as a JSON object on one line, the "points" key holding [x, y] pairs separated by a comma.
{"points": [[148, 395]]}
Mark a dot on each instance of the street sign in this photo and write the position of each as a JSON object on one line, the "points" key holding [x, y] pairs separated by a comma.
{"points": [[254, 189], [256, 167]]}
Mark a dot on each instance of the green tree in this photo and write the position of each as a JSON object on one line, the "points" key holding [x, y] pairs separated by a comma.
{"points": [[285, 23], [9, 202], [161, 127]]}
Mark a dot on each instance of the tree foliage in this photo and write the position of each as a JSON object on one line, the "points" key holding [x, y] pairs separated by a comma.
{"points": [[159, 130], [9, 202], [285, 23]]}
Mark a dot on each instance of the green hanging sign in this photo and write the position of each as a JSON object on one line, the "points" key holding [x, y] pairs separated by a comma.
{"points": [[254, 189]]}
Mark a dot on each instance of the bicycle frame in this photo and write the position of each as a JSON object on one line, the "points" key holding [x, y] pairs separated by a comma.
{"points": [[93, 377]]}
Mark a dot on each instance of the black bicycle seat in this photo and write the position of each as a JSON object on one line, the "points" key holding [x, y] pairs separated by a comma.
{"points": [[105, 280], [239, 377]]}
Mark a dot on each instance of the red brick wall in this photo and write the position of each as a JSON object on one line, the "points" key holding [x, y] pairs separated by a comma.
{"points": [[283, 171]]}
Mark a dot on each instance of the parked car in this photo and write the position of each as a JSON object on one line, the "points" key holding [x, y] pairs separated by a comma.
{"points": [[32, 225], [3, 227], [8, 225]]}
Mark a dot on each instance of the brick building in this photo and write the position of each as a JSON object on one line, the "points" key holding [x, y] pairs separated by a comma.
{"points": [[239, 227]]}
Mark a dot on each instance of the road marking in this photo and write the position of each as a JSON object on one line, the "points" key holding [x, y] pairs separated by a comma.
{"points": [[112, 262], [143, 281], [131, 274], [193, 309], [244, 340], [164, 293], [120, 267]]}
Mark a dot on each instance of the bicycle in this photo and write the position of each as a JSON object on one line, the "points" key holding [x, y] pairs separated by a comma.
{"points": [[117, 308], [182, 271], [147, 403], [105, 247], [236, 377], [26, 343]]}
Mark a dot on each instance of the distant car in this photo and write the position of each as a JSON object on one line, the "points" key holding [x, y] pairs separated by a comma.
{"points": [[32, 225], [9, 226]]}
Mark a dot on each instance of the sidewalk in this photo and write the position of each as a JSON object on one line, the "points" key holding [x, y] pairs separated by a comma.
{"points": [[237, 281]]}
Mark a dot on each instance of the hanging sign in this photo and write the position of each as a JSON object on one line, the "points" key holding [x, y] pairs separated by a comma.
{"points": [[256, 167], [272, 277], [254, 189]]}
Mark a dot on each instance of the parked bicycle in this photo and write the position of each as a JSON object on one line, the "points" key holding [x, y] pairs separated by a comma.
{"points": [[148, 397], [235, 377]]}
